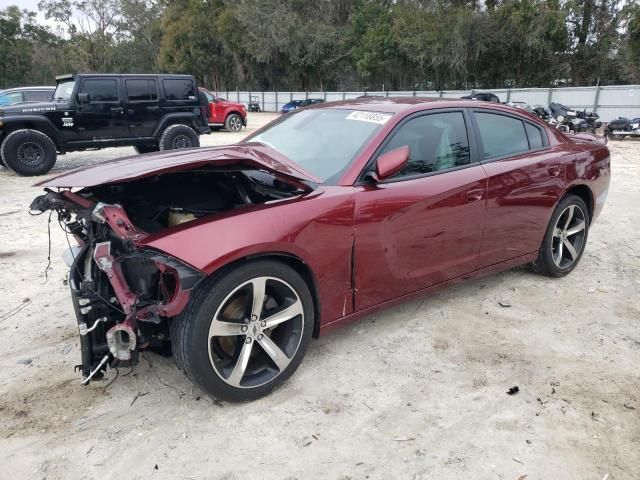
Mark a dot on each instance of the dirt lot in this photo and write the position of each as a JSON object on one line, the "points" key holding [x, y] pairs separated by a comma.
{"points": [[415, 392]]}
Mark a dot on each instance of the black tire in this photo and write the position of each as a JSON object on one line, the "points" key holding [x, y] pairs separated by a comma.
{"points": [[193, 348], [552, 260], [176, 137], [233, 122], [28, 152], [146, 148]]}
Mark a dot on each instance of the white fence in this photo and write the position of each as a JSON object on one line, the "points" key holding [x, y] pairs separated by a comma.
{"points": [[609, 102]]}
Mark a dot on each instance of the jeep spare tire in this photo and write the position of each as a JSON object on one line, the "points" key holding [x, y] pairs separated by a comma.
{"points": [[28, 152], [176, 137]]}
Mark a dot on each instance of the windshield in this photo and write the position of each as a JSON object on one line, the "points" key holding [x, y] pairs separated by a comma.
{"points": [[324, 141], [63, 91]]}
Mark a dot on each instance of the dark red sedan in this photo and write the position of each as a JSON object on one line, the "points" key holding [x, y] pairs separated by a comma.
{"points": [[232, 258]]}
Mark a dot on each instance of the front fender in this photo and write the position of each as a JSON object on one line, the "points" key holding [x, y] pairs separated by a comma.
{"points": [[35, 122], [317, 228]]}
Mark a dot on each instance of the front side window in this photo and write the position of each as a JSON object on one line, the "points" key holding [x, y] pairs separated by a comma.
{"points": [[323, 142], [141, 90], [100, 90], [436, 142], [501, 135], [179, 89]]}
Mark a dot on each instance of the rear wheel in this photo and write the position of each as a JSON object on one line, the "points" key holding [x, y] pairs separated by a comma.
{"points": [[28, 152], [179, 136], [565, 238], [246, 331], [233, 123]]}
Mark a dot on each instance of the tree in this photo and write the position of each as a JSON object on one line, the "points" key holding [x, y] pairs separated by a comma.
{"points": [[20, 38]]}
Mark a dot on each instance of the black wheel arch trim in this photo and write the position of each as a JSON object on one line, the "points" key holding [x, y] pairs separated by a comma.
{"points": [[188, 119], [32, 122]]}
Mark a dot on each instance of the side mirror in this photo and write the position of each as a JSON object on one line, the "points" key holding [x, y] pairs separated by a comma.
{"points": [[83, 98], [390, 163]]}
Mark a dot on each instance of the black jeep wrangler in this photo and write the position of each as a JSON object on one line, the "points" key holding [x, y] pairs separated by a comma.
{"points": [[92, 111]]}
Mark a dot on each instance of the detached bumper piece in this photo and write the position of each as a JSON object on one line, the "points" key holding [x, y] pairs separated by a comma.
{"points": [[119, 301]]}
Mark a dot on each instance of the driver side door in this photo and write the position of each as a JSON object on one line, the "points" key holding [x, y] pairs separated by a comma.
{"points": [[422, 226], [102, 117]]}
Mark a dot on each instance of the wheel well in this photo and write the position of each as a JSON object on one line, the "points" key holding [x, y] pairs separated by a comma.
{"points": [[585, 194], [299, 266], [28, 125], [232, 112]]}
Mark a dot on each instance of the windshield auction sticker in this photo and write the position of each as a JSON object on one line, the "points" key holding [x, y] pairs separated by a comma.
{"points": [[373, 117]]}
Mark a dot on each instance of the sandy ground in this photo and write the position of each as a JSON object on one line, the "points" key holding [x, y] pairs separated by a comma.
{"points": [[414, 392]]}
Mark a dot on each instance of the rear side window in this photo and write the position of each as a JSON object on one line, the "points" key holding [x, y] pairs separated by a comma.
{"points": [[535, 136], [179, 89], [501, 135], [436, 142], [141, 90], [100, 90], [37, 95]]}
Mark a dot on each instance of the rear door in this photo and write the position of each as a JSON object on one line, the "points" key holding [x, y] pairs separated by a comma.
{"points": [[525, 180], [424, 225], [143, 105], [103, 117]]}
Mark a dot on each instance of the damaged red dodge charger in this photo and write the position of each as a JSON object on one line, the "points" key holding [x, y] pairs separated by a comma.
{"points": [[231, 258]]}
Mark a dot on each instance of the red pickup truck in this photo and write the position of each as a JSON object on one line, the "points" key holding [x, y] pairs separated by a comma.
{"points": [[222, 113]]}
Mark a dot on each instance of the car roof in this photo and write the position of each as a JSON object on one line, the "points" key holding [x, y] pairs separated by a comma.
{"points": [[71, 76], [22, 89], [407, 105]]}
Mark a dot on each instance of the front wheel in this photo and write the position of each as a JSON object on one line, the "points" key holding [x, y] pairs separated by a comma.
{"points": [[233, 123], [565, 238], [28, 152], [179, 136], [244, 332]]}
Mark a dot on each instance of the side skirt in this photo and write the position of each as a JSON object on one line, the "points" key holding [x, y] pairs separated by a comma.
{"points": [[499, 267]]}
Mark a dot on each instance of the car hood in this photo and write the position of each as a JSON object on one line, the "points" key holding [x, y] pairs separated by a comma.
{"points": [[256, 156]]}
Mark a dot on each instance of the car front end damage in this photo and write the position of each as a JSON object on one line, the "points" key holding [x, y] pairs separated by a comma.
{"points": [[121, 291], [125, 292]]}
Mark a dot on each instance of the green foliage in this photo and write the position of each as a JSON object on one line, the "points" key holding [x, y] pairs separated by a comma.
{"points": [[331, 44]]}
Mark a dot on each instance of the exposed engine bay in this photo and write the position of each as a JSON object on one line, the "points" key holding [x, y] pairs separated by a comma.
{"points": [[123, 292]]}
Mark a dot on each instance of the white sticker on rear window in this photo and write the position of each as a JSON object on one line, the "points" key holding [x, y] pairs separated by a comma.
{"points": [[373, 117]]}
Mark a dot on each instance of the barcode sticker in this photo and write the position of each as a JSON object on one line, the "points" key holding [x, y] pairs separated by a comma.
{"points": [[373, 117]]}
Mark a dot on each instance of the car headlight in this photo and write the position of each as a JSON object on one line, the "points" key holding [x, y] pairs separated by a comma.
{"points": [[560, 118]]}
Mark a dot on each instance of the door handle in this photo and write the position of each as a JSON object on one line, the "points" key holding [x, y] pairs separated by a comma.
{"points": [[554, 170], [474, 195], [117, 109]]}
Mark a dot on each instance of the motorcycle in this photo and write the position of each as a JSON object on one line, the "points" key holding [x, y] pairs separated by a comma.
{"points": [[562, 117], [589, 122], [541, 112], [623, 127]]}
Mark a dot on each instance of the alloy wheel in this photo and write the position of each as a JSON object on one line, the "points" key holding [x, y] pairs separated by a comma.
{"points": [[255, 332], [568, 237], [235, 124]]}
